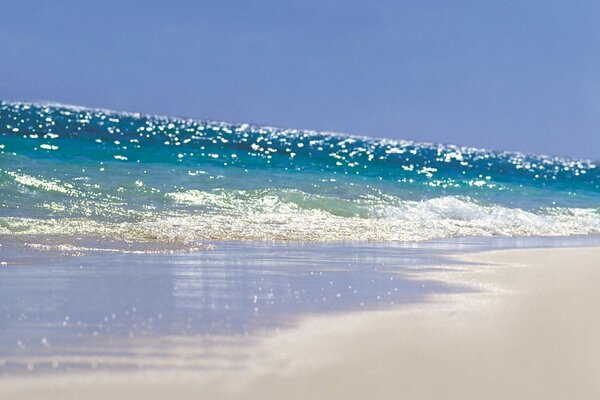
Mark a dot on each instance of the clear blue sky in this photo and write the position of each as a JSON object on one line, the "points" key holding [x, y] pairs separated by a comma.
{"points": [[520, 75]]}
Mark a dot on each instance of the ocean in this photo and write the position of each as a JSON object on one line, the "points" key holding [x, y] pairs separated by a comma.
{"points": [[68, 172]]}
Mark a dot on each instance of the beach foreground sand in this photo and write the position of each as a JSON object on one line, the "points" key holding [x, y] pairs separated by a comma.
{"points": [[531, 330]]}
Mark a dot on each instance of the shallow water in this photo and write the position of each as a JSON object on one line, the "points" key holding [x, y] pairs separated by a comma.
{"points": [[73, 303], [98, 306]]}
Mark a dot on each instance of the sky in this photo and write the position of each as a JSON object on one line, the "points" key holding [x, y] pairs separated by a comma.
{"points": [[506, 75]]}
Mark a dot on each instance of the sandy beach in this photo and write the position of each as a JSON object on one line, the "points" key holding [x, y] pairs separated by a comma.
{"points": [[530, 330]]}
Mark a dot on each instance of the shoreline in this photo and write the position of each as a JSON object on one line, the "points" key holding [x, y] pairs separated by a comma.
{"points": [[530, 331]]}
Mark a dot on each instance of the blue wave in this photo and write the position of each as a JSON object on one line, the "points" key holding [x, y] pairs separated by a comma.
{"points": [[70, 171]]}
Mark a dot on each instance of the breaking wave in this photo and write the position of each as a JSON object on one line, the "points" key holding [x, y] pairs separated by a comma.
{"points": [[72, 172]]}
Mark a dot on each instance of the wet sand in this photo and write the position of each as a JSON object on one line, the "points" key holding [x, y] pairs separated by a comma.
{"points": [[530, 331]]}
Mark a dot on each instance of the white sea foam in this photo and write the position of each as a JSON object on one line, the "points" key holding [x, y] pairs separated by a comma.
{"points": [[42, 184], [298, 216]]}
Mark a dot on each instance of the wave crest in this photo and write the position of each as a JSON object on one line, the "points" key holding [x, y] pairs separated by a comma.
{"points": [[298, 216]]}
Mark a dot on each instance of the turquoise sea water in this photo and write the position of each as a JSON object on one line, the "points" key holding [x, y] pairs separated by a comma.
{"points": [[68, 172]]}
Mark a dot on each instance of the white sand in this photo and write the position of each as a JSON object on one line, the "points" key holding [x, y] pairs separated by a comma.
{"points": [[532, 331]]}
